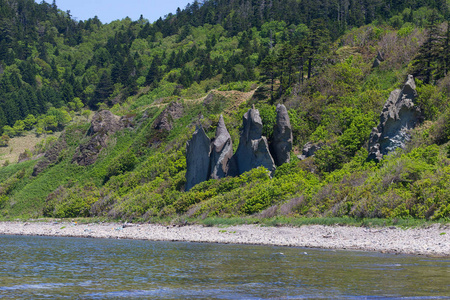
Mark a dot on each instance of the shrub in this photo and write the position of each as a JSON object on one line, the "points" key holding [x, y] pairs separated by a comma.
{"points": [[124, 163]]}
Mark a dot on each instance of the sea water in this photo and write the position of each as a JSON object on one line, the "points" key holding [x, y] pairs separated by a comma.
{"points": [[80, 268]]}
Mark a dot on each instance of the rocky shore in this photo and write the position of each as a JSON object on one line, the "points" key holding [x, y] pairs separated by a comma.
{"points": [[431, 241]]}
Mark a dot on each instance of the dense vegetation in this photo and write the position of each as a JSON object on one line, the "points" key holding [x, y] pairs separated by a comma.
{"points": [[314, 56]]}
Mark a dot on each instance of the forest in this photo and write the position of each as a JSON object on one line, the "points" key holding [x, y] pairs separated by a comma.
{"points": [[215, 58]]}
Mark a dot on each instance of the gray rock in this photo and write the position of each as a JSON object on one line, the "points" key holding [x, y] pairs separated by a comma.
{"points": [[282, 137], [103, 124], [221, 151], [398, 117], [378, 59], [253, 150], [165, 120], [310, 149], [197, 158]]}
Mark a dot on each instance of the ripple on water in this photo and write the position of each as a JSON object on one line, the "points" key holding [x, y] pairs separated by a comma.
{"points": [[45, 267]]}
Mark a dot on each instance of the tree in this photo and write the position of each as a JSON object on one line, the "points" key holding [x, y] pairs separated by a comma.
{"points": [[62, 117], [153, 71], [19, 127], [425, 63], [29, 121], [4, 140], [46, 124], [269, 67], [9, 131], [316, 41], [103, 90], [76, 104]]}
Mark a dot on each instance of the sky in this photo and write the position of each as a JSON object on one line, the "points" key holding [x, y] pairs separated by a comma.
{"points": [[111, 10]]}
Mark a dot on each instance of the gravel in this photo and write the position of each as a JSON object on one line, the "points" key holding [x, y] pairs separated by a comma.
{"points": [[431, 241]]}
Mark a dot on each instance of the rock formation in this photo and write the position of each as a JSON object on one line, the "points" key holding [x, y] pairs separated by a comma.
{"points": [[309, 149], [206, 159], [197, 158], [165, 120], [398, 116], [221, 151], [378, 59], [282, 137], [51, 156], [103, 124], [253, 150]]}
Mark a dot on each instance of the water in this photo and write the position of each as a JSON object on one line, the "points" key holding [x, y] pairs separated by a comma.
{"points": [[47, 267]]}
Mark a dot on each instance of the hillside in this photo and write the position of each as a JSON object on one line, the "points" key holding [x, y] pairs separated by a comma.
{"points": [[152, 84]]}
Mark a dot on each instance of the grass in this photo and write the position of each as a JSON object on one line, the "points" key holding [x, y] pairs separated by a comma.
{"points": [[18, 145], [301, 221], [222, 222]]}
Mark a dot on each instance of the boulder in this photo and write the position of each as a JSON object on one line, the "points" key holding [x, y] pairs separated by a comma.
{"points": [[309, 149], [221, 151], [103, 124], [398, 117], [165, 120], [282, 137], [253, 150], [197, 158], [51, 156], [378, 59]]}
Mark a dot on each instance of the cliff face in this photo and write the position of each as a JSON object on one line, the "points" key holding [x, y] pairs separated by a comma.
{"points": [[398, 116]]}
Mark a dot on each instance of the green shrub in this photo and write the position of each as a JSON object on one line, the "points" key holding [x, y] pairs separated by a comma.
{"points": [[124, 163]]}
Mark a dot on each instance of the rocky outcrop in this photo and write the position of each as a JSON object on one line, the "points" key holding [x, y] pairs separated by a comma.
{"points": [[214, 160], [378, 59], [253, 150], [197, 158], [51, 156], [104, 122], [221, 151], [398, 116], [103, 125], [281, 145], [309, 149], [165, 120]]}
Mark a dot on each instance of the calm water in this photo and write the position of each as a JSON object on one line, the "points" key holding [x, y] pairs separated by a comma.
{"points": [[46, 267]]}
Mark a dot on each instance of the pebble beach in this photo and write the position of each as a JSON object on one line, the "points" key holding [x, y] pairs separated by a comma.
{"points": [[430, 241]]}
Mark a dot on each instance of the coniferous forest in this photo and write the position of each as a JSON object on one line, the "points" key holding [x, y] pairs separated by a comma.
{"points": [[332, 63]]}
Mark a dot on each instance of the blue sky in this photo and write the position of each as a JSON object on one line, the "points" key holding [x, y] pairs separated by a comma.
{"points": [[110, 10]]}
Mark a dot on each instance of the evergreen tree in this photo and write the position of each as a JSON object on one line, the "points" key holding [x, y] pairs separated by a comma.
{"points": [[153, 71], [103, 90], [425, 63]]}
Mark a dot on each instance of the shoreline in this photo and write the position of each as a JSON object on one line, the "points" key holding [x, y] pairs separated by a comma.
{"points": [[431, 241]]}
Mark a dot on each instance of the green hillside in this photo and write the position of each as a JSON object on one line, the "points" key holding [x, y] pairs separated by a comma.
{"points": [[315, 57]]}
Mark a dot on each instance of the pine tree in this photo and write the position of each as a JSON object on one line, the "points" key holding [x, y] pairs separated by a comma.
{"points": [[269, 66], [425, 63], [102, 91], [153, 72]]}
